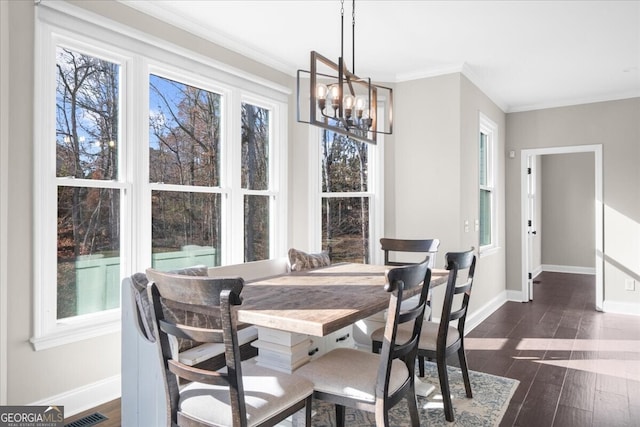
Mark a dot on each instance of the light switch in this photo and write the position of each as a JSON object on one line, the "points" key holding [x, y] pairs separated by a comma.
{"points": [[466, 226]]}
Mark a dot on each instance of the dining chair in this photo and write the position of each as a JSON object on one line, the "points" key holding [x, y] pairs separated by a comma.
{"points": [[376, 382], [398, 249], [394, 247], [242, 394], [439, 341], [208, 357]]}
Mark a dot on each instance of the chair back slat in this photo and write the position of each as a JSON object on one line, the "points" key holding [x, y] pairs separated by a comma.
{"points": [[202, 335], [427, 246], [193, 290], [206, 376]]}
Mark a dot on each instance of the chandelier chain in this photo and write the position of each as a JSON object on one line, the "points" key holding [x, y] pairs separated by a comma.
{"points": [[353, 37], [342, 28]]}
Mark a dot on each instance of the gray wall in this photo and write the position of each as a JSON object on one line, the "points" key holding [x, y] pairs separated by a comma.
{"points": [[431, 174], [568, 211], [615, 125]]}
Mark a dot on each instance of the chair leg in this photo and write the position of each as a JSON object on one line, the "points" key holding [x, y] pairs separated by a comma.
{"points": [[412, 402], [340, 412], [465, 371], [421, 366], [307, 415], [444, 387]]}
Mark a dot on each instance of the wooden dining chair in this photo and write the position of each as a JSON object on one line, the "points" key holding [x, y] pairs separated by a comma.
{"points": [[394, 247], [396, 252], [240, 395], [376, 382], [439, 341]]}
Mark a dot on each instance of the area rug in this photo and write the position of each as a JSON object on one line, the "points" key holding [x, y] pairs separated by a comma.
{"points": [[491, 396]]}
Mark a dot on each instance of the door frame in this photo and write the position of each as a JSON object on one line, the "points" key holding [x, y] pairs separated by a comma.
{"points": [[4, 197], [596, 149]]}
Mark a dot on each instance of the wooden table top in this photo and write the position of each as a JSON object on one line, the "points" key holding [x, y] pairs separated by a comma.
{"points": [[318, 302]]}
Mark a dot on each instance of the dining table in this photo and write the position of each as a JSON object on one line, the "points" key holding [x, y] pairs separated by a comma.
{"points": [[290, 311], [290, 308]]}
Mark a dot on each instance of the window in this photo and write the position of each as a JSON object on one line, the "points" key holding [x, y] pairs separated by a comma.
{"points": [[348, 201], [89, 185], [184, 174], [487, 194], [143, 161], [255, 181]]}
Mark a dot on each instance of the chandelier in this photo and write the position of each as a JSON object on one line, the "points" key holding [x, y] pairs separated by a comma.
{"points": [[339, 100]]}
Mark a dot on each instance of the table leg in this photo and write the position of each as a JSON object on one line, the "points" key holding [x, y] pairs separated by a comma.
{"points": [[281, 350], [423, 388]]}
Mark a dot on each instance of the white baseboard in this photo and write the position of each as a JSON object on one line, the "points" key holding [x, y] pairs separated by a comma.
{"points": [[568, 269], [475, 318], [515, 296], [537, 271], [86, 397], [621, 307]]}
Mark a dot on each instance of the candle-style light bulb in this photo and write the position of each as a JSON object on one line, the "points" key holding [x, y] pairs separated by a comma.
{"points": [[321, 91], [360, 106], [334, 96], [321, 96], [348, 103]]}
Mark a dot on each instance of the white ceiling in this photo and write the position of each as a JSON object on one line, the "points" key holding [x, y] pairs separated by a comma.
{"points": [[523, 54]]}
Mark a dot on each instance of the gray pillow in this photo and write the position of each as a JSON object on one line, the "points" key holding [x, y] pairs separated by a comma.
{"points": [[143, 307], [300, 260]]}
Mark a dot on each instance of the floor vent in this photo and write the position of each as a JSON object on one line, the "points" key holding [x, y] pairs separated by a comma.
{"points": [[89, 420]]}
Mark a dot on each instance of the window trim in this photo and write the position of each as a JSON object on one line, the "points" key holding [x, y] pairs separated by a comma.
{"points": [[375, 194], [490, 129], [56, 21], [48, 330]]}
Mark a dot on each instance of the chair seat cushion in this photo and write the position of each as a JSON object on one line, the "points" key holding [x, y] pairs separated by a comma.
{"points": [[428, 336], [351, 373], [266, 392]]}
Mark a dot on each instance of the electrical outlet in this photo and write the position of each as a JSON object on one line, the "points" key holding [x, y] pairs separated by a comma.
{"points": [[629, 285]]}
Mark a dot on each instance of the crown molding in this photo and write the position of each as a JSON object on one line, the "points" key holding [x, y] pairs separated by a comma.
{"points": [[159, 11]]}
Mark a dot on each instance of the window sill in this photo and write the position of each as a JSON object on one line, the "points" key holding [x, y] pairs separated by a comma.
{"points": [[488, 251], [68, 333]]}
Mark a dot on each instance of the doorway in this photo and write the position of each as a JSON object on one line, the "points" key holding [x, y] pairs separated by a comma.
{"points": [[528, 205]]}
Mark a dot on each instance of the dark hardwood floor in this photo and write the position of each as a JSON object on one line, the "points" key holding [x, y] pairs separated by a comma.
{"points": [[576, 367]]}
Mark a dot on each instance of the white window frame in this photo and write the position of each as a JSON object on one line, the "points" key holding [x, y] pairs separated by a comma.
{"points": [[490, 129], [375, 194], [58, 22]]}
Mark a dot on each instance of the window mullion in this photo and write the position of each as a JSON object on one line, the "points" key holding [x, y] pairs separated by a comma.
{"points": [[235, 201]]}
